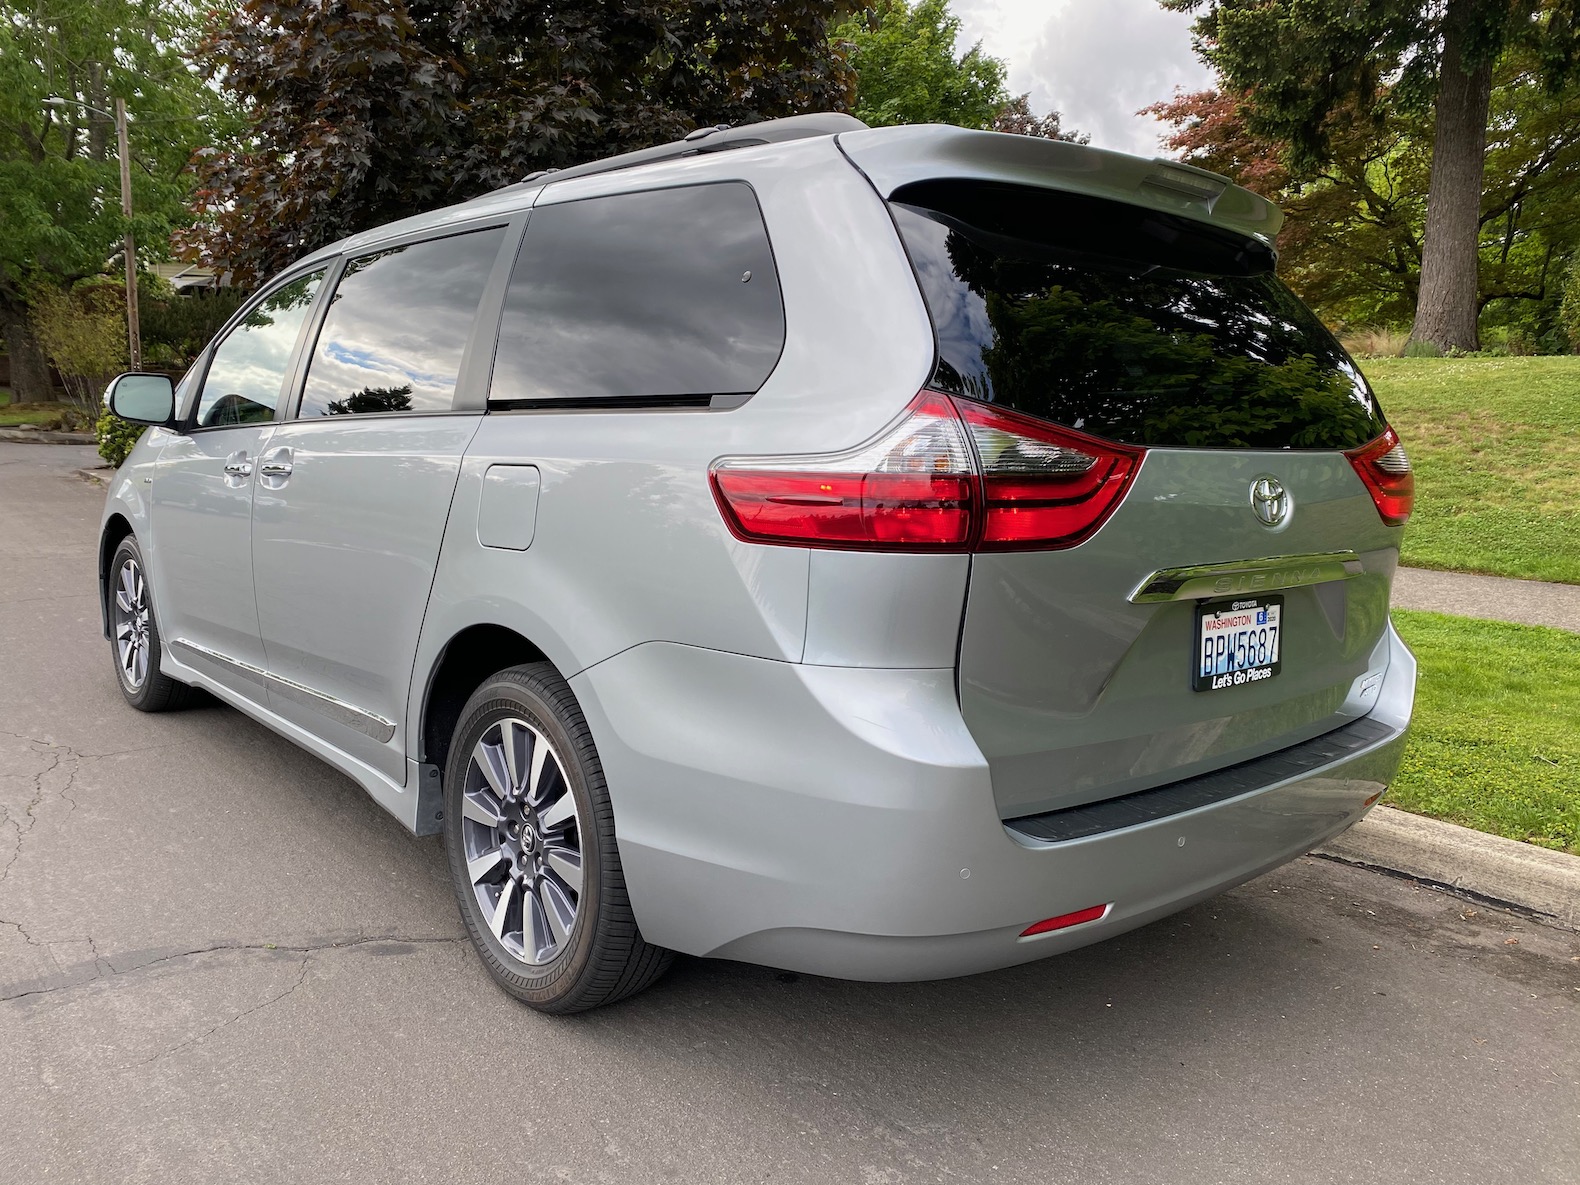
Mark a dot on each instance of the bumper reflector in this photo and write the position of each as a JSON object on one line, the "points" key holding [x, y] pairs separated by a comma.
{"points": [[1065, 920]]}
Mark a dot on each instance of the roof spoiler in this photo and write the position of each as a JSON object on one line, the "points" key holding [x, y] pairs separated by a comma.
{"points": [[894, 157], [720, 138]]}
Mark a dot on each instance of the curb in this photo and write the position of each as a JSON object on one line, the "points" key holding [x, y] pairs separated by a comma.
{"points": [[95, 476], [40, 436], [1537, 880]]}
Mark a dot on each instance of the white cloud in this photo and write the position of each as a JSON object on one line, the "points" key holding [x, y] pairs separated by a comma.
{"points": [[1096, 61]]}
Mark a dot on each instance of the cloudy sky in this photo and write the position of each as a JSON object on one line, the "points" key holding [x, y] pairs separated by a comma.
{"points": [[1097, 61]]}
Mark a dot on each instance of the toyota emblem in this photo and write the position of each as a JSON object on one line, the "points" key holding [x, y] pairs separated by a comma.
{"points": [[1270, 501]]}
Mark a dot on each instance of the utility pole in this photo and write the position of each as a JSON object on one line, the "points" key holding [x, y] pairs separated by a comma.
{"points": [[133, 329], [134, 341]]}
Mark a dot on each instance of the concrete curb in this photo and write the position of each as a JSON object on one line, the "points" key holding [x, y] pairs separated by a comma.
{"points": [[97, 476], [1536, 879], [40, 436]]}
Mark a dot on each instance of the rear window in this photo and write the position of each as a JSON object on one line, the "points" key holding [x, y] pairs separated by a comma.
{"points": [[665, 295], [1126, 323]]}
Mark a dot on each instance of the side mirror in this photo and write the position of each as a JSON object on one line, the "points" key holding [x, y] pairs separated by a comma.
{"points": [[142, 398]]}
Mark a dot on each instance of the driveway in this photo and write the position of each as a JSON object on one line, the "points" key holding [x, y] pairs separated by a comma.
{"points": [[219, 961]]}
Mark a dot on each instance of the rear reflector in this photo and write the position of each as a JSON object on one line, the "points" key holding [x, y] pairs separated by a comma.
{"points": [[951, 475], [1065, 920], [1385, 470]]}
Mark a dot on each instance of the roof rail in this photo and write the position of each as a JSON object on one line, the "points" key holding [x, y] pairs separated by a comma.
{"points": [[713, 139]]}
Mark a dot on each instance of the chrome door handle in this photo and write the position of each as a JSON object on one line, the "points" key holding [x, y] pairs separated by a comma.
{"points": [[274, 467], [238, 468]]}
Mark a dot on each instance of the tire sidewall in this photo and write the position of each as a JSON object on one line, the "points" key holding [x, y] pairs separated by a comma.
{"points": [[559, 979]]}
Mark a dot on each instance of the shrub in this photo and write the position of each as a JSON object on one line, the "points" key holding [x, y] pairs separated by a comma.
{"points": [[116, 437], [83, 331], [1378, 341]]}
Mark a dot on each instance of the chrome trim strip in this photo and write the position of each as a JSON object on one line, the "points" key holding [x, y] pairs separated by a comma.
{"points": [[1245, 576], [353, 717], [251, 673]]}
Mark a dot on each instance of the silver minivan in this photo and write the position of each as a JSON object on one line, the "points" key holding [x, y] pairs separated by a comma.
{"points": [[882, 553]]}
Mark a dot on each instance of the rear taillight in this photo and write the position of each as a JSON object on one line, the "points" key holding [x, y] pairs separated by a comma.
{"points": [[951, 475], [1385, 470], [1042, 486]]}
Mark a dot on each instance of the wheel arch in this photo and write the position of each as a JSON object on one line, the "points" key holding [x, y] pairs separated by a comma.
{"points": [[116, 528], [465, 661]]}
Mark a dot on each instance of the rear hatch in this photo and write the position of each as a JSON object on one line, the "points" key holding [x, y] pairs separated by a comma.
{"points": [[1235, 600]]}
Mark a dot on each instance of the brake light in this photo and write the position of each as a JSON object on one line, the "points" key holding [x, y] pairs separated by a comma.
{"points": [[952, 475], [1384, 469], [1043, 486]]}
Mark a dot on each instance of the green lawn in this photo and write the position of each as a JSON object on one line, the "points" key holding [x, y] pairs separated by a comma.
{"points": [[27, 414], [1495, 744], [1496, 448]]}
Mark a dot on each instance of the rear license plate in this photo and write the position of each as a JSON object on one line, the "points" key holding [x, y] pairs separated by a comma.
{"points": [[1237, 642]]}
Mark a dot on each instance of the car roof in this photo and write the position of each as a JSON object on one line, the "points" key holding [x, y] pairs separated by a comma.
{"points": [[890, 157]]}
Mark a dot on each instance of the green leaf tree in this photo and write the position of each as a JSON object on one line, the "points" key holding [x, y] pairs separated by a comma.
{"points": [[361, 111], [909, 70], [1308, 68], [1352, 239], [59, 176]]}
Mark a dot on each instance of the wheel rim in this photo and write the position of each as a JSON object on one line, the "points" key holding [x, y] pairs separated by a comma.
{"points": [[131, 623], [521, 834]]}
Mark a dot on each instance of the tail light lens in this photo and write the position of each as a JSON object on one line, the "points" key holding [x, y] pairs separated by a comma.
{"points": [[1384, 468], [1042, 486], [950, 476]]}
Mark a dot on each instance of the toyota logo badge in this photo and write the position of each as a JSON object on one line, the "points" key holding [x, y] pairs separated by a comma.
{"points": [[1270, 501]]}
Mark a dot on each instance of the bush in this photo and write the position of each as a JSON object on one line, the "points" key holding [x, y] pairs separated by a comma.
{"points": [[1378, 341], [1569, 311], [176, 328], [116, 437], [83, 331]]}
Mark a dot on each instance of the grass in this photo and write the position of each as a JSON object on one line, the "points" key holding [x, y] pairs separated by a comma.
{"points": [[12, 414], [1496, 448], [1495, 744]]}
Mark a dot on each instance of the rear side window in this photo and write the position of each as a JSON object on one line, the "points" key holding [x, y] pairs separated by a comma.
{"points": [[1126, 323], [397, 327], [666, 295]]}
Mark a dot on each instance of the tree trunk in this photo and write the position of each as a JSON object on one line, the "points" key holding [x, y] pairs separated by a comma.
{"points": [[1445, 313], [29, 368]]}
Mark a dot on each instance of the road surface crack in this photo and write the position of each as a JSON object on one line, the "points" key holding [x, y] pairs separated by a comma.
{"points": [[104, 966]]}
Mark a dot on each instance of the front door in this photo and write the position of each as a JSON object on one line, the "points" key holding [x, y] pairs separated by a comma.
{"points": [[203, 487], [353, 494]]}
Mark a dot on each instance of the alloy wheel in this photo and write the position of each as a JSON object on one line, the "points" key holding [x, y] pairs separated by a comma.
{"points": [[131, 623], [521, 834]]}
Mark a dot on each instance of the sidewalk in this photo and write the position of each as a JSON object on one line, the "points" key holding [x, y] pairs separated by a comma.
{"points": [[1529, 602]]}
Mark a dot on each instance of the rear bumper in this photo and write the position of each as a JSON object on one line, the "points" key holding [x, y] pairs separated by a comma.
{"points": [[841, 821]]}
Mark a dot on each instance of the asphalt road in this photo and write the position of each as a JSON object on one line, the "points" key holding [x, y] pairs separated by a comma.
{"points": [[219, 961]]}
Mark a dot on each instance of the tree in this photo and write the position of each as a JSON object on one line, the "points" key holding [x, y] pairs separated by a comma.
{"points": [[907, 70], [83, 332], [361, 111], [1353, 230], [59, 179], [1017, 118], [1306, 67]]}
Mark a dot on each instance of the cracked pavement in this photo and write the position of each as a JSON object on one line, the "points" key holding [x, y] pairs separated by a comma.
{"points": [[220, 961]]}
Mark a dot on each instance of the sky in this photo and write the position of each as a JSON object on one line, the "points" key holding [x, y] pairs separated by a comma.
{"points": [[1095, 61]]}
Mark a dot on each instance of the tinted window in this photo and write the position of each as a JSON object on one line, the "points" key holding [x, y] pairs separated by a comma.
{"points": [[1125, 323], [244, 379], [666, 293], [397, 326]]}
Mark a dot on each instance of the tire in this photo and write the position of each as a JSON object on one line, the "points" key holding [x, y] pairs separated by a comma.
{"points": [[135, 644], [566, 939]]}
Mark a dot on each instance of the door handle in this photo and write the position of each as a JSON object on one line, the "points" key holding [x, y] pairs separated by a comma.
{"points": [[238, 468], [274, 467]]}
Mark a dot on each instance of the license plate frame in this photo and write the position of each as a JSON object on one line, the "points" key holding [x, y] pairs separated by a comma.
{"points": [[1233, 667]]}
